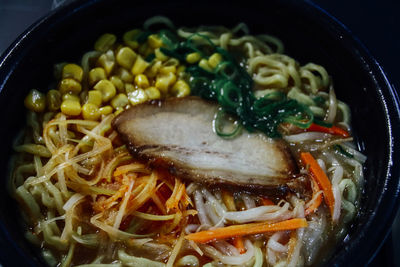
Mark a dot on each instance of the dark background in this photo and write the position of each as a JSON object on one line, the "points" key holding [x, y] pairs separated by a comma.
{"points": [[375, 23]]}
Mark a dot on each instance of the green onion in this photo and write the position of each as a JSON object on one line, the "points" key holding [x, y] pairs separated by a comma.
{"points": [[220, 119], [342, 151], [231, 86]]}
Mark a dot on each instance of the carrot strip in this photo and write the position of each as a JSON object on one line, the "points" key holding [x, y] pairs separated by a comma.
{"points": [[314, 206], [332, 130], [239, 244], [173, 201], [320, 176], [246, 229]]}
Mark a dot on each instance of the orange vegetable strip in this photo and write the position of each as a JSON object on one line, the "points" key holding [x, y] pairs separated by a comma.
{"points": [[314, 206], [185, 199], [238, 243], [320, 176], [172, 201], [246, 229], [333, 130]]}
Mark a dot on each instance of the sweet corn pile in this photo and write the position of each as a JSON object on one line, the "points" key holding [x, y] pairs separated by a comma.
{"points": [[116, 76]]}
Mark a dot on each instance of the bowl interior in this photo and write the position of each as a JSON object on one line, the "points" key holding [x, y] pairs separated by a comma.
{"points": [[308, 35]]}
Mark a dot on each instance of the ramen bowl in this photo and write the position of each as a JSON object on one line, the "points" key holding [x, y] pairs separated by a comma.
{"points": [[309, 35]]}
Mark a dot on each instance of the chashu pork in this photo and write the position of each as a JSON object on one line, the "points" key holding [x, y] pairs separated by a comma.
{"points": [[179, 132]]}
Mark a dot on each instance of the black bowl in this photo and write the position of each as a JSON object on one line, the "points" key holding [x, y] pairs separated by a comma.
{"points": [[310, 35]]}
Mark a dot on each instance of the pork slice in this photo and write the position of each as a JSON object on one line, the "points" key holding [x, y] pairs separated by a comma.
{"points": [[180, 132]]}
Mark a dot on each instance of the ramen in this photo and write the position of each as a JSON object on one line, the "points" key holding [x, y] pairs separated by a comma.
{"points": [[187, 147]]}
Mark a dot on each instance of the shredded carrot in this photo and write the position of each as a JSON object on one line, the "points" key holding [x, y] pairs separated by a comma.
{"points": [[246, 229], [186, 201], [267, 201], [332, 130], [320, 176], [238, 243], [173, 201], [102, 204], [314, 206]]}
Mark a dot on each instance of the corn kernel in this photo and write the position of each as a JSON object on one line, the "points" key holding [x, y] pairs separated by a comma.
{"points": [[107, 61], [124, 75], [172, 62], [95, 98], [118, 111], [214, 60], [164, 81], [126, 57], [180, 89], [154, 41], [71, 107], [141, 81], [167, 69], [90, 112], [129, 38], [138, 96], [139, 66], [193, 57], [69, 85], [105, 110], [204, 65], [153, 70], [107, 89], [105, 42], [118, 83], [153, 93], [53, 100], [160, 55], [72, 71], [72, 97], [96, 75], [129, 88], [120, 100], [35, 101]]}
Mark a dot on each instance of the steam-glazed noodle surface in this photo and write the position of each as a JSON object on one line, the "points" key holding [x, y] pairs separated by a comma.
{"points": [[89, 198]]}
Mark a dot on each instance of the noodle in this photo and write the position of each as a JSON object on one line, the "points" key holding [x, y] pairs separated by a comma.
{"points": [[89, 202]]}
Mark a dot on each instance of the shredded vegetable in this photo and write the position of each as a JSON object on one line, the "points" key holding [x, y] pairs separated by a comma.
{"points": [[320, 176], [245, 229]]}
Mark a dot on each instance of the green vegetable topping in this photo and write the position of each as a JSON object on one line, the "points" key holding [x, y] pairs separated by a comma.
{"points": [[231, 85], [342, 151]]}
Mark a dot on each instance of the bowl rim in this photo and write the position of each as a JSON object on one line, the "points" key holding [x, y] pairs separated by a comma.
{"points": [[389, 200]]}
